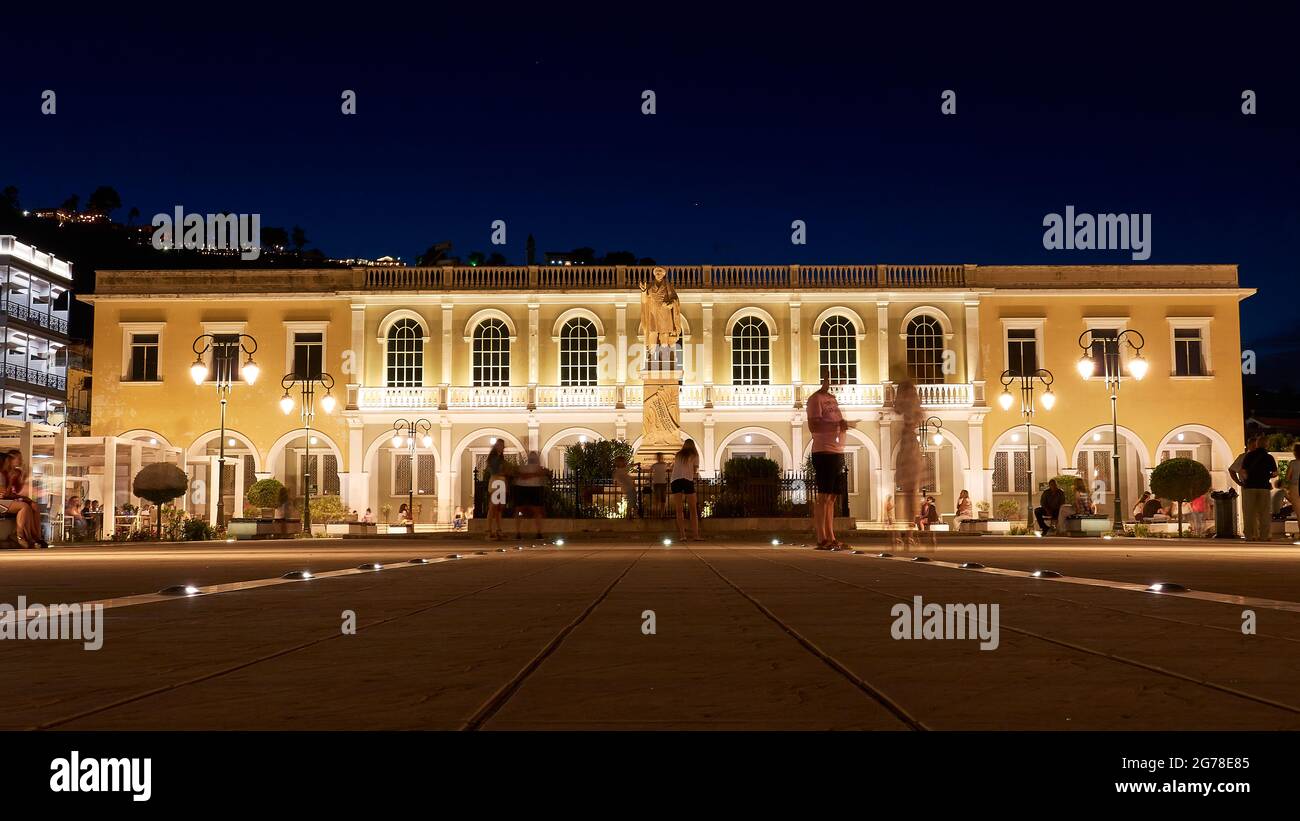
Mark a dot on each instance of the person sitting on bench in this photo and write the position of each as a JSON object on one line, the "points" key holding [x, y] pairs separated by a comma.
{"points": [[1049, 507]]}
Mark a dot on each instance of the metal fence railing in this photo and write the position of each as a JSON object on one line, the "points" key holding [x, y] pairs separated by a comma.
{"points": [[567, 497]]}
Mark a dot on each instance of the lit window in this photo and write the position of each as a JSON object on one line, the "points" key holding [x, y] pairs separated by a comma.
{"points": [[838, 345], [405, 367], [925, 350], [491, 355], [751, 353], [578, 353]]}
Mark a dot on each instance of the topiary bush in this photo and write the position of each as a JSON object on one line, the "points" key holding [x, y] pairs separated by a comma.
{"points": [[1180, 480], [160, 483], [266, 493], [592, 463], [739, 468], [198, 530]]}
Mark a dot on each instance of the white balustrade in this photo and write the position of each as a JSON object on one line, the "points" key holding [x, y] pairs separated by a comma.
{"points": [[382, 398], [957, 394], [507, 396]]}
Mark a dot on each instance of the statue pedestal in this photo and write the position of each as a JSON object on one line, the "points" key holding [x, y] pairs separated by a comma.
{"points": [[660, 416]]}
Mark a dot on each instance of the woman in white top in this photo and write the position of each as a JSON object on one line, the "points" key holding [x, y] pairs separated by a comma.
{"points": [[686, 464]]}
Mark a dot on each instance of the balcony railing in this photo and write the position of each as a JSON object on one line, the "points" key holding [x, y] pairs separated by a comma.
{"points": [[508, 396], [627, 277], [34, 377], [691, 397], [26, 314]]}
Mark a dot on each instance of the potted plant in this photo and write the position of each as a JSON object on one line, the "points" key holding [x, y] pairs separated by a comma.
{"points": [[160, 483], [264, 495], [982, 508], [385, 510], [329, 516]]}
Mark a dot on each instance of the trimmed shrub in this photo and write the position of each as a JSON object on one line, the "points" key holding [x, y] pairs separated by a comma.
{"points": [[266, 493], [1180, 480]]}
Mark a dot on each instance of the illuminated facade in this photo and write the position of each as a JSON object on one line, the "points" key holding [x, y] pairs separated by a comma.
{"points": [[545, 355]]}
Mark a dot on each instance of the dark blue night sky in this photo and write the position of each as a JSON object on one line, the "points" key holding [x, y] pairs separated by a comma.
{"points": [[765, 115]]}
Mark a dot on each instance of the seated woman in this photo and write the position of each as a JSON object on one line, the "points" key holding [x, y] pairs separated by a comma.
{"points": [[1082, 502], [12, 500], [72, 516], [964, 508]]}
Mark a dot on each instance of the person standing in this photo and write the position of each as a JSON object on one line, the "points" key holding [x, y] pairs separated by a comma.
{"points": [[530, 493], [659, 486], [1293, 479], [626, 485], [685, 467], [1254, 471], [827, 426]]}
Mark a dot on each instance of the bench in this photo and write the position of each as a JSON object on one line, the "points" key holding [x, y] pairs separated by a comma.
{"points": [[1092, 525]]}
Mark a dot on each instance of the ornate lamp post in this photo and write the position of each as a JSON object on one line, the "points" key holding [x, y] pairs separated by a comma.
{"points": [[405, 432], [1110, 348], [1006, 400], [308, 413], [926, 438], [225, 356]]}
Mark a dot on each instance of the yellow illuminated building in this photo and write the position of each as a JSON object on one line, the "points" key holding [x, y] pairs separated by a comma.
{"points": [[543, 356]]}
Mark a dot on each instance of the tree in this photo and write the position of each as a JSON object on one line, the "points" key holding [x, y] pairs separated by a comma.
{"points": [[71, 204], [497, 258], [267, 493], [530, 250], [298, 237], [273, 237], [1180, 480], [10, 197], [160, 483], [434, 254], [132, 215], [592, 462], [103, 200], [619, 258], [475, 258]]}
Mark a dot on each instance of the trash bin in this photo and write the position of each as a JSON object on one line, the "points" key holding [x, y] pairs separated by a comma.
{"points": [[1225, 513]]}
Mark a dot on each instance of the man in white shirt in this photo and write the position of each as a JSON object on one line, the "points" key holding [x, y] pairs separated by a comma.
{"points": [[827, 426]]}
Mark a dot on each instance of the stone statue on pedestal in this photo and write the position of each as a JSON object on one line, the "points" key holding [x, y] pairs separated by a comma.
{"points": [[661, 326]]}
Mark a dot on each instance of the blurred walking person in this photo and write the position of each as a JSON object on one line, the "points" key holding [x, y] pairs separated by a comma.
{"points": [[496, 487]]}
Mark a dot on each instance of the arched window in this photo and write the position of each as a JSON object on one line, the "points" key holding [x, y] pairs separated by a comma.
{"points": [[839, 350], [491, 366], [751, 352], [925, 350], [405, 366], [578, 352]]}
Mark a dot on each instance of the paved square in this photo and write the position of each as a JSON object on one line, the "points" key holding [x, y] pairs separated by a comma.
{"points": [[746, 636]]}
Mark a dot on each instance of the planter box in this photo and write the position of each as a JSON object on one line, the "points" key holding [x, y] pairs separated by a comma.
{"points": [[263, 528], [350, 529], [1001, 526], [1086, 525]]}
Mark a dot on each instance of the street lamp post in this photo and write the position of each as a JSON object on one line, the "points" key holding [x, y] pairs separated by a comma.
{"points": [[926, 439], [1027, 380], [407, 431], [308, 413], [1110, 347], [225, 350]]}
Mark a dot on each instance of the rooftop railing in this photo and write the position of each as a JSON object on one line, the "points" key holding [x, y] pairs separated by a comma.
{"points": [[627, 277]]}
